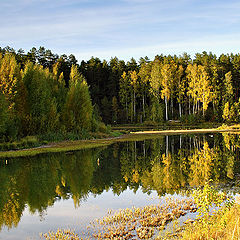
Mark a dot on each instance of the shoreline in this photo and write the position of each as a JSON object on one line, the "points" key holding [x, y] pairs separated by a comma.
{"points": [[177, 132], [65, 146]]}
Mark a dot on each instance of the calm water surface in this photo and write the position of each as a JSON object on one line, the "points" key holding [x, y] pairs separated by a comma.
{"points": [[69, 190]]}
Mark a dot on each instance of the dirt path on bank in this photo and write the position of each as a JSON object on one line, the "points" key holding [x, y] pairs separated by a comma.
{"points": [[189, 131]]}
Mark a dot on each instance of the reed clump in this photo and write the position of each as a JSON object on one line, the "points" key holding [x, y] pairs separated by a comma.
{"points": [[140, 223], [223, 225], [218, 217], [62, 234]]}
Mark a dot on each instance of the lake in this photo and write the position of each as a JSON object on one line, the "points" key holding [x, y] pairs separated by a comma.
{"points": [[69, 190]]}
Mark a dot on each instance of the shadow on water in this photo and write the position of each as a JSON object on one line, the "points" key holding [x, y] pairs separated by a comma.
{"points": [[167, 164]]}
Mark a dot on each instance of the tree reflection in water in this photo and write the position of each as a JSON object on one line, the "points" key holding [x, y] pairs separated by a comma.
{"points": [[166, 164]]}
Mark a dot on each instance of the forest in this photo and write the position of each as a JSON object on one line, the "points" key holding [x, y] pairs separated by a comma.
{"points": [[43, 93]]}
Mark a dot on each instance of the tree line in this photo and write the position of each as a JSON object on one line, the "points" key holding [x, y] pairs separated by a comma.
{"points": [[167, 88], [35, 100], [45, 91]]}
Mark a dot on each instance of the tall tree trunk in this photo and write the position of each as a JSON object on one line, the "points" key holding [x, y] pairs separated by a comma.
{"points": [[134, 106], [203, 104], [172, 106], [189, 107], [143, 103], [180, 110], [166, 108], [132, 109], [193, 106], [126, 110]]}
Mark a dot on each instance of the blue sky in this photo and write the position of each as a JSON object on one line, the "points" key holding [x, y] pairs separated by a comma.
{"points": [[122, 28]]}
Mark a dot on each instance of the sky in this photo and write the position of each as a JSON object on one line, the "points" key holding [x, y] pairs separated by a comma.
{"points": [[122, 28]]}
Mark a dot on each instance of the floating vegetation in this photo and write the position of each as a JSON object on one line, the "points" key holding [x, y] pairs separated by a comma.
{"points": [[140, 223], [148, 222], [61, 234]]}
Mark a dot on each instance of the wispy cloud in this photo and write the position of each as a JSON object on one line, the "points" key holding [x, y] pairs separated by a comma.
{"points": [[92, 27], [225, 44]]}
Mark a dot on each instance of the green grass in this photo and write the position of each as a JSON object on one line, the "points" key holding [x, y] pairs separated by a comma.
{"points": [[65, 146], [26, 142], [170, 125], [224, 225], [55, 147], [234, 126], [218, 217], [54, 142], [105, 139]]}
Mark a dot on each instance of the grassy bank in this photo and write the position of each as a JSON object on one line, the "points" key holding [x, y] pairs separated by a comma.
{"points": [[170, 125], [64, 146], [224, 225], [218, 217], [26, 142], [189, 131]]}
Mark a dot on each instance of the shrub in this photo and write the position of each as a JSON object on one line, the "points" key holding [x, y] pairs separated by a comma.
{"points": [[207, 198], [191, 119]]}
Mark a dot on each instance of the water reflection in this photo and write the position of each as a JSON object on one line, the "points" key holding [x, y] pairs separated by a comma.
{"points": [[166, 164]]}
